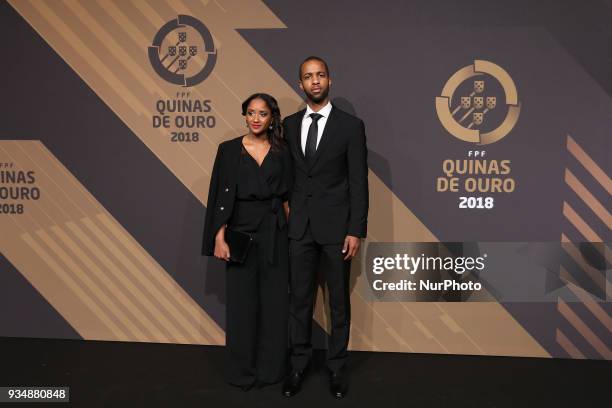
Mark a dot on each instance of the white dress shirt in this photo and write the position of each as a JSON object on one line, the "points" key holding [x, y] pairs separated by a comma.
{"points": [[307, 120]]}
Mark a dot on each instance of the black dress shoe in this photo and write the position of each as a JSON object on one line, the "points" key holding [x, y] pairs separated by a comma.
{"points": [[338, 384], [246, 387], [263, 384], [293, 383]]}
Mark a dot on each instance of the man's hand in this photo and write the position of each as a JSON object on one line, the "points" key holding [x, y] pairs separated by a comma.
{"points": [[351, 246]]}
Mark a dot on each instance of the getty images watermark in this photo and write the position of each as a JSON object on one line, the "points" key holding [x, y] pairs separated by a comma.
{"points": [[409, 264]]}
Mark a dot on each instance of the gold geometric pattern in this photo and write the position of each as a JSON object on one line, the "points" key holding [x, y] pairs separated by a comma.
{"points": [[105, 43], [88, 267], [585, 271]]}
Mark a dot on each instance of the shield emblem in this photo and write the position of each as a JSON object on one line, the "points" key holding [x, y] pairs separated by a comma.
{"points": [[466, 102], [183, 64], [478, 102], [182, 50], [172, 50], [479, 86], [491, 101], [193, 50], [478, 117], [182, 36]]}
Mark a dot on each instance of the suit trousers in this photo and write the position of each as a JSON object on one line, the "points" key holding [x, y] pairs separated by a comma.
{"points": [[256, 311], [307, 257]]}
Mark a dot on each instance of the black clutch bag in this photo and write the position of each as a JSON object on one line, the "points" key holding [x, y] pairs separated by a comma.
{"points": [[239, 244]]}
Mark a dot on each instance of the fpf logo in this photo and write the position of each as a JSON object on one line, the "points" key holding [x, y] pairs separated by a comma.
{"points": [[466, 117], [183, 51]]}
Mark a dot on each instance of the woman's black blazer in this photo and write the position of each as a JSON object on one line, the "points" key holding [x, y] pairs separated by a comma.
{"points": [[222, 190]]}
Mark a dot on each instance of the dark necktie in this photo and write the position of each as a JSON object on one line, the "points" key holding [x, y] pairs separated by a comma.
{"points": [[311, 138]]}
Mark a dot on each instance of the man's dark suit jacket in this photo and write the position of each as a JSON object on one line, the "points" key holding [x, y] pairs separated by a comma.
{"points": [[332, 191]]}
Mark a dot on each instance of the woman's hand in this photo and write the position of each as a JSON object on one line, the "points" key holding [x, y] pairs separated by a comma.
{"points": [[222, 250]]}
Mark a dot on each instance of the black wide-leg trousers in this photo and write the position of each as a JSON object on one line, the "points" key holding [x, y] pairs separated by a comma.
{"points": [[257, 312], [307, 257]]}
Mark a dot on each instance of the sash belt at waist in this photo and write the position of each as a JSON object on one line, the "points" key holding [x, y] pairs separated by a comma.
{"points": [[275, 218]]}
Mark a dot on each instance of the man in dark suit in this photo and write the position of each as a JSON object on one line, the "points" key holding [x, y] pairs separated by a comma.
{"points": [[327, 218]]}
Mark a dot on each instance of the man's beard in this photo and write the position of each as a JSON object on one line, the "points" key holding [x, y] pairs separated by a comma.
{"points": [[318, 98]]}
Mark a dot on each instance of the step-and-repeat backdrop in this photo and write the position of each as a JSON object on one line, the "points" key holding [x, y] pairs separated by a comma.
{"points": [[488, 126]]}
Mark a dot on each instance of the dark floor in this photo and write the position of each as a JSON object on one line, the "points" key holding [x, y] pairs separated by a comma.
{"points": [[111, 374]]}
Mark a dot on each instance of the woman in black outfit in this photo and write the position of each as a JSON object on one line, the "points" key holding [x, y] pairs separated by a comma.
{"points": [[248, 192]]}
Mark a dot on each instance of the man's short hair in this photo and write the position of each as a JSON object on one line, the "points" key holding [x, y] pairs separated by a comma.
{"points": [[313, 58]]}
